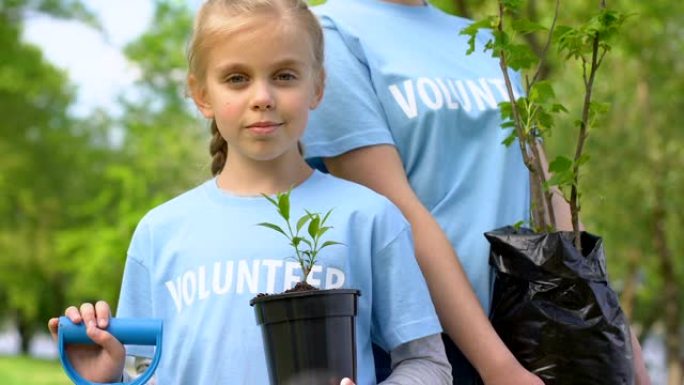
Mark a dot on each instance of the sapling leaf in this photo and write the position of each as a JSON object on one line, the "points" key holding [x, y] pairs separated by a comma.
{"points": [[597, 110], [560, 164], [314, 226], [302, 221], [526, 26], [584, 158], [512, 5], [322, 231], [520, 56], [272, 226], [510, 139], [284, 205], [308, 242], [557, 107], [306, 257], [544, 119], [270, 199], [506, 110], [472, 31], [329, 243], [325, 217], [560, 179], [541, 92]]}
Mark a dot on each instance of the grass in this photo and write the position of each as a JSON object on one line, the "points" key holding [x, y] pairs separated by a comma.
{"points": [[17, 370]]}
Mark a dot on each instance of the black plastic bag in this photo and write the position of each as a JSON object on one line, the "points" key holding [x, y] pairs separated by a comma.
{"points": [[554, 309]]}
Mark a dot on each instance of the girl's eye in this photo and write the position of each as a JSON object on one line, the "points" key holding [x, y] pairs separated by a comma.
{"points": [[286, 76], [236, 79]]}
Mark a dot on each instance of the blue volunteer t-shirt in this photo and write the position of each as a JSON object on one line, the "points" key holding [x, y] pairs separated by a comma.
{"points": [[399, 75], [197, 260]]}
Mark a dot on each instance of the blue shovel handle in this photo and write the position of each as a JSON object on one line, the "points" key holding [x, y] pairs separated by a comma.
{"points": [[129, 331]]}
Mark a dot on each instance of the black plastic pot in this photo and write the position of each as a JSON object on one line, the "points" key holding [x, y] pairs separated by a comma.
{"points": [[552, 306], [309, 336]]}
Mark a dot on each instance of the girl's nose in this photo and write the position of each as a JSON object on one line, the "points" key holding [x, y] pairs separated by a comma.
{"points": [[263, 97]]}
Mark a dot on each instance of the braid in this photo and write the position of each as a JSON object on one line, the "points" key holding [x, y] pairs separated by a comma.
{"points": [[218, 148]]}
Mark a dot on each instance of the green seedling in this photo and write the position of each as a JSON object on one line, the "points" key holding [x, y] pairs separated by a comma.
{"points": [[306, 244]]}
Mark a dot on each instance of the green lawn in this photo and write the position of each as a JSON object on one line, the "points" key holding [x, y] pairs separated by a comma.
{"points": [[31, 371]]}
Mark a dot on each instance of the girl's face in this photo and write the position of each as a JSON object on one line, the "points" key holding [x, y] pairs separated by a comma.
{"points": [[261, 81]]}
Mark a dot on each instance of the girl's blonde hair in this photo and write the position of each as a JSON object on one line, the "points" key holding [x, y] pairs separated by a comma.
{"points": [[218, 18]]}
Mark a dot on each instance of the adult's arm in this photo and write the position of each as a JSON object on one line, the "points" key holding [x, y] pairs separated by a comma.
{"points": [[379, 168]]}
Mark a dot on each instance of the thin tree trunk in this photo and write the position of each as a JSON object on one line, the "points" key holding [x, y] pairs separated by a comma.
{"points": [[25, 334], [671, 311], [628, 296]]}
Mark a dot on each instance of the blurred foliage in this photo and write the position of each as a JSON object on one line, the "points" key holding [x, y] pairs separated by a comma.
{"points": [[29, 371], [40, 146], [74, 189]]}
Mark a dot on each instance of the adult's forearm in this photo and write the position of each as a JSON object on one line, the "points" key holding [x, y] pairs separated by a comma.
{"points": [[380, 168], [640, 372], [459, 311]]}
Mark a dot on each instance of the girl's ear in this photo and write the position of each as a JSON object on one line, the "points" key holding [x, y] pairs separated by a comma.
{"points": [[199, 95], [319, 89]]}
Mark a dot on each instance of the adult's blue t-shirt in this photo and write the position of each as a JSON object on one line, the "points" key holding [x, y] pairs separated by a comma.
{"points": [[399, 75]]}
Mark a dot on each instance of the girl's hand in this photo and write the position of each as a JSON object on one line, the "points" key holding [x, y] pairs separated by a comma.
{"points": [[103, 362], [346, 381]]}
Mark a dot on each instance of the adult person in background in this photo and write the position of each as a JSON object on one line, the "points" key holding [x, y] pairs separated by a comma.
{"points": [[410, 115]]}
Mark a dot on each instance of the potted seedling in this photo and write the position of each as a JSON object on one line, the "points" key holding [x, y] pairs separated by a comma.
{"points": [[309, 334], [552, 304]]}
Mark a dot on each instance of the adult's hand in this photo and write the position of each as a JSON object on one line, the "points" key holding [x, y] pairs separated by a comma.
{"points": [[511, 374]]}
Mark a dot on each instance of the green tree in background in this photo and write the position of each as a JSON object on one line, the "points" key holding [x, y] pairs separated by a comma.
{"points": [[40, 147], [639, 178], [74, 189]]}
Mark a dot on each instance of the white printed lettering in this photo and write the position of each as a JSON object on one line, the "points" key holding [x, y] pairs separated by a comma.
{"points": [[290, 277], [271, 268], [500, 86], [247, 276], [174, 290], [334, 278], [481, 94], [451, 104], [250, 276], [465, 99], [189, 287], [227, 281], [202, 281], [314, 271], [434, 102], [408, 102]]}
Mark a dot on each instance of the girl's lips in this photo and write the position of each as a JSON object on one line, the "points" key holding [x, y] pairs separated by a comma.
{"points": [[263, 128]]}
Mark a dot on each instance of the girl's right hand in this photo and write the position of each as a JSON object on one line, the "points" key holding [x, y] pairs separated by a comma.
{"points": [[103, 362]]}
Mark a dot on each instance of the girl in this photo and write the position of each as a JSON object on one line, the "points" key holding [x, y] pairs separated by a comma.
{"points": [[255, 70]]}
